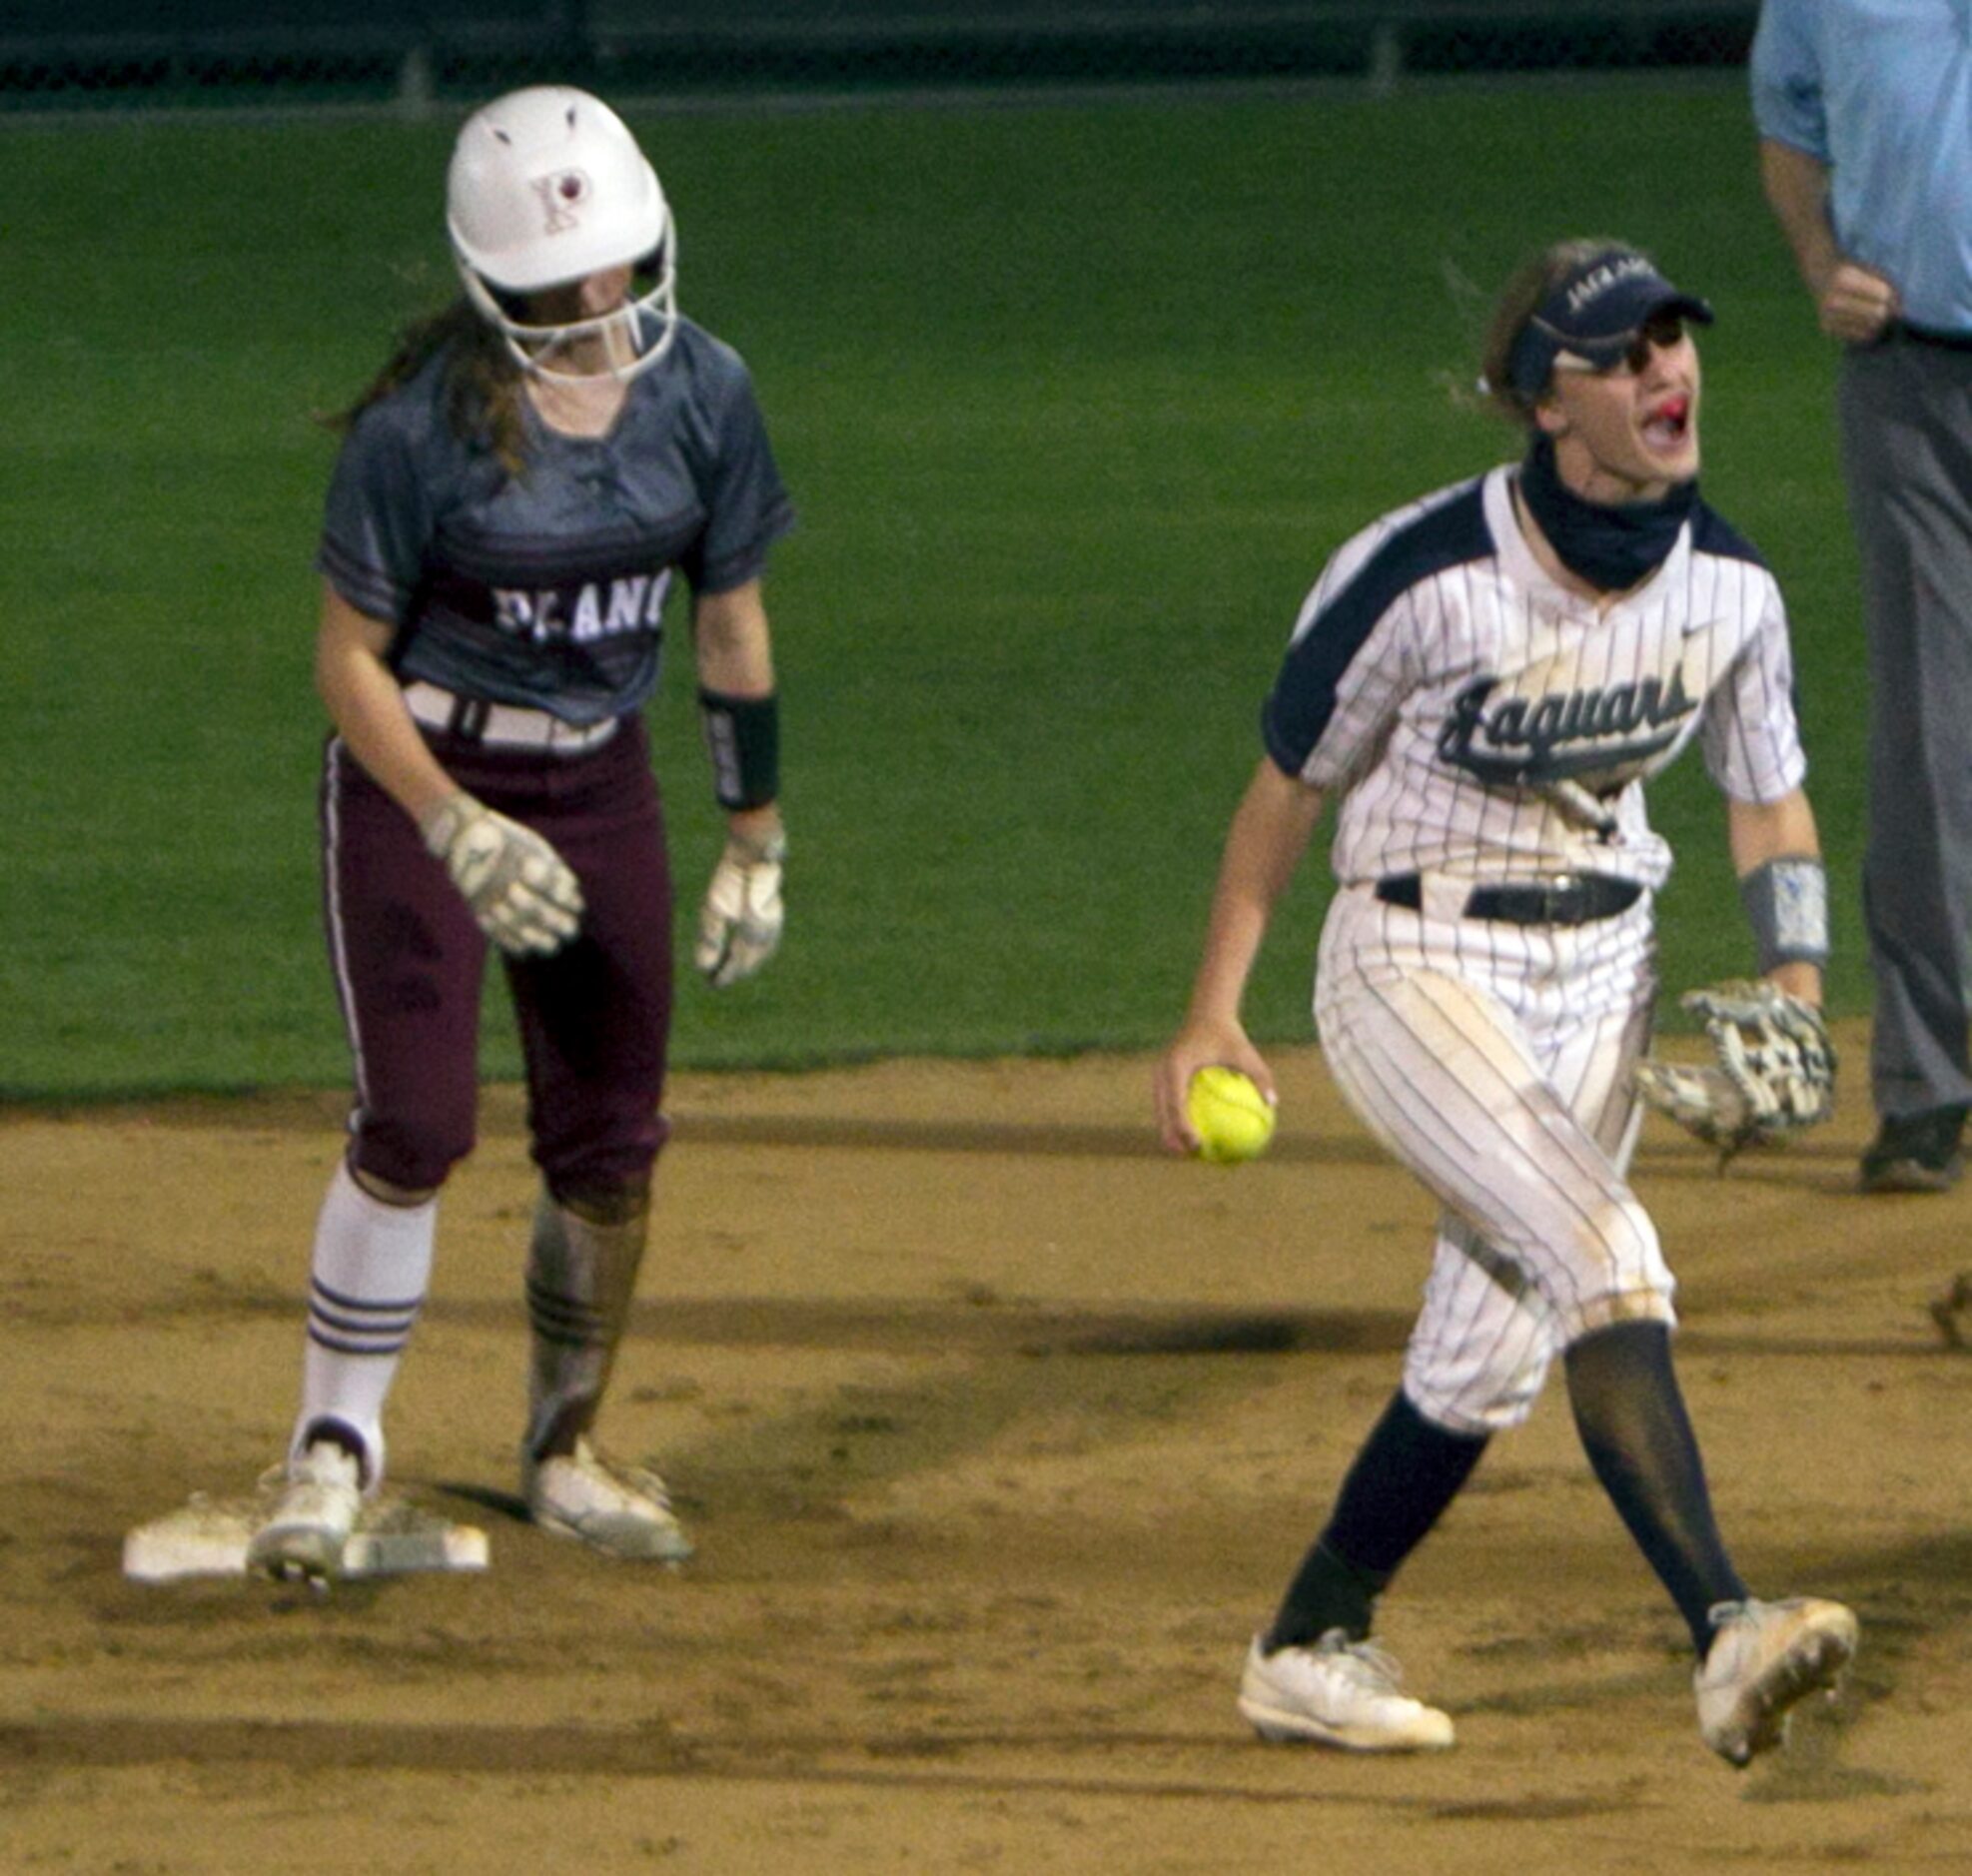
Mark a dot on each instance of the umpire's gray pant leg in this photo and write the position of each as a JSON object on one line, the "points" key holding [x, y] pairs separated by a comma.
{"points": [[1906, 436]]}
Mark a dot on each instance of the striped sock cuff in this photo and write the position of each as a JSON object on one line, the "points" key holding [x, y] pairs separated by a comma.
{"points": [[359, 1326]]}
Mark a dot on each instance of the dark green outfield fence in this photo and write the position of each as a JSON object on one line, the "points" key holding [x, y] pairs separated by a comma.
{"points": [[219, 53]]}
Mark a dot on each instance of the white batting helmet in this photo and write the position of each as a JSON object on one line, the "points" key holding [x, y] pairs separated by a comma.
{"points": [[546, 186]]}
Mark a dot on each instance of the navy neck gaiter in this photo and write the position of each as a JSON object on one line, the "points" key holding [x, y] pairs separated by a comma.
{"points": [[1610, 548]]}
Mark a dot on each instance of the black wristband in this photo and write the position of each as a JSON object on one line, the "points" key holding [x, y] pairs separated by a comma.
{"points": [[742, 735]]}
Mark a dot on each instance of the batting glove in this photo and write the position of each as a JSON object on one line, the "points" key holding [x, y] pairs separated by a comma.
{"points": [[739, 928], [520, 891]]}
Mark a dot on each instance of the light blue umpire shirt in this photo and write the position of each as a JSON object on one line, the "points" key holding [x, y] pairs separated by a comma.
{"points": [[1880, 91]]}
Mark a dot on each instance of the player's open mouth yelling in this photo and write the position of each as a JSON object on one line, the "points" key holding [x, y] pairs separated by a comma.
{"points": [[1664, 427]]}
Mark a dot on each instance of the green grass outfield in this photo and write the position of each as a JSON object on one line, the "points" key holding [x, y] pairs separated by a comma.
{"points": [[1074, 401]]}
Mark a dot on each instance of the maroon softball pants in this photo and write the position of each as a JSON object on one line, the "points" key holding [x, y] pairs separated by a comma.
{"points": [[409, 961]]}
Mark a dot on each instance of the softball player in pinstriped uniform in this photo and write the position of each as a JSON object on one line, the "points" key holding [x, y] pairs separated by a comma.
{"points": [[1484, 680], [512, 499]]}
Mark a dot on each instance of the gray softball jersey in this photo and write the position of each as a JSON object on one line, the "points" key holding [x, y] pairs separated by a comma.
{"points": [[548, 590]]}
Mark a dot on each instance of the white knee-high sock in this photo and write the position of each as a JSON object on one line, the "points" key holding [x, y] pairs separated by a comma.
{"points": [[372, 1266]]}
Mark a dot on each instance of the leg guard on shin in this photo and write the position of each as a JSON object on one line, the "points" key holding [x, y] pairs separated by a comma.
{"points": [[582, 1276]]}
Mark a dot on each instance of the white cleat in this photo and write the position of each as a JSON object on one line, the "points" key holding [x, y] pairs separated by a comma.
{"points": [[1337, 1694], [621, 1511], [1764, 1658], [303, 1537]]}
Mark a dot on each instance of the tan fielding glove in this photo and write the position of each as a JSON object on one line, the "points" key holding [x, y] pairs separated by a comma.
{"points": [[1774, 1074]]}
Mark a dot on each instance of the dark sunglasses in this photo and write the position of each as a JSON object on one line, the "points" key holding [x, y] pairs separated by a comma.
{"points": [[1660, 333]]}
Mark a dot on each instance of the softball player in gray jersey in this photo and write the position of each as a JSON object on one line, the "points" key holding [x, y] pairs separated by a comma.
{"points": [[1485, 681], [514, 498]]}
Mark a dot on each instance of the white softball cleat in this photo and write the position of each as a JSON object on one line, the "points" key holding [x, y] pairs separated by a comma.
{"points": [[1338, 1694], [621, 1511], [303, 1537], [1766, 1657]]}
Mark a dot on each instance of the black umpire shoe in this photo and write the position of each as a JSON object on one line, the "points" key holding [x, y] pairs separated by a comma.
{"points": [[1916, 1151]]}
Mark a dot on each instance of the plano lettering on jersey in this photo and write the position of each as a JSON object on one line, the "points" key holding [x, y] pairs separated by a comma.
{"points": [[582, 615], [1560, 735]]}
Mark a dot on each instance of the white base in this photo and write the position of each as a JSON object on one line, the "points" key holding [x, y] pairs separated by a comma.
{"points": [[209, 1537]]}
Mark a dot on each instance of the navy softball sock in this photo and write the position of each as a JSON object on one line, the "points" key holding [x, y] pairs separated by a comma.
{"points": [[1633, 1423], [1407, 1472]]}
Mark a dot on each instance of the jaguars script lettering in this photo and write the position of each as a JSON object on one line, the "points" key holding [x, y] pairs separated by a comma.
{"points": [[1567, 734]]}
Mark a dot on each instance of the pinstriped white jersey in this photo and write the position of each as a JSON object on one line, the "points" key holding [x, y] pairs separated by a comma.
{"points": [[1480, 720]]}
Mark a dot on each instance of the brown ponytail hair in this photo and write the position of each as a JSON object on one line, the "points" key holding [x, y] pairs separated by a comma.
{"points": [[482, 384]]}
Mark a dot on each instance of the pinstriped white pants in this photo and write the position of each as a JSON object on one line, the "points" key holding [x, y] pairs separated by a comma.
{"points": [[1494, 1060]]}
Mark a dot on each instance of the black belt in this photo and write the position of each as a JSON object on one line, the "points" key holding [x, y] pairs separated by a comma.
{"points": [[1580, 899], [1925, 336]]}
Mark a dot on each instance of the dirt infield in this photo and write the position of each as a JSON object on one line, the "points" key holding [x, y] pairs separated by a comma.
{"points": [[998, 1434]]}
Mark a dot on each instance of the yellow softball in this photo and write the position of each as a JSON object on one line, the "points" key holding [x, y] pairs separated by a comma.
{"points": [[1234, 1120]]}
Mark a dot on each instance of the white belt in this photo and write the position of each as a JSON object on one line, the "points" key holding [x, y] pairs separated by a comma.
{"points": [[502, 725]]}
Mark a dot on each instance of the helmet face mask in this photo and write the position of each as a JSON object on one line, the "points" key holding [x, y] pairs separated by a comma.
{"points": [[547, 187]]}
